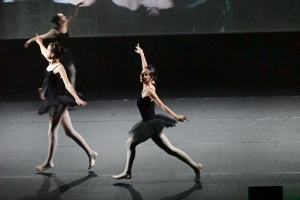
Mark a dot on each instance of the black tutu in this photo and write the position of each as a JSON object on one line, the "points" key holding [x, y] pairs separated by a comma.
{"points": [[55, 102], [143, 130]]}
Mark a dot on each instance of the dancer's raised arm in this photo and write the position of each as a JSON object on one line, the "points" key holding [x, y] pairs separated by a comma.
{"points": [[74, 13], [139, 50], [44, 36], [43, 49]]}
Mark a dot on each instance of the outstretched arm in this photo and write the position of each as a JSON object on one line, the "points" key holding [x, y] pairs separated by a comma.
{"points": [[46, 35], [61, 70], [42, 47], [86, 3], [74, 13], [140, 51], [158, 102]]}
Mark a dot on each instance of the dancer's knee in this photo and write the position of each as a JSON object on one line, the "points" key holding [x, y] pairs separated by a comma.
{"points": [[68, 132], [131, 144], [51, 134], [171, 151]]}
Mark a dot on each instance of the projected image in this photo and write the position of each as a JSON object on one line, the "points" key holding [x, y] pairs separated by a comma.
{"points": [[74, 2], [24, 18], [153, 6]]}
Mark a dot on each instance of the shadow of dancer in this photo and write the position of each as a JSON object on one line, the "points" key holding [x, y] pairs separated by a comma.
{"points": [[137, 196], [196, 186], [43, 192]]}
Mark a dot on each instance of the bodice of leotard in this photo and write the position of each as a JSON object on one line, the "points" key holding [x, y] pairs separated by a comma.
{"points": [[146, 107], [62, 38], [54, 84]]}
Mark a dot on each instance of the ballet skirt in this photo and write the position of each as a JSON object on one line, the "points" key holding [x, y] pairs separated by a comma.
{"points": [[55, 88], [151, 123]]}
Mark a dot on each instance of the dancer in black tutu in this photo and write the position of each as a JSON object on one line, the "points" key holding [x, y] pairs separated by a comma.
{"points": [[57, 104], [152, 125], [61, 34]]}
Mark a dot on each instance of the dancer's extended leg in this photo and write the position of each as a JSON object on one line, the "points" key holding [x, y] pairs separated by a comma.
{"points": [[71, 73], [162, 141], [69, 130]]}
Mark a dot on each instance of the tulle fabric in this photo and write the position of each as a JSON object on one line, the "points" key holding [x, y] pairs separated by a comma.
{"points": [[143, 130], [55, 102]]}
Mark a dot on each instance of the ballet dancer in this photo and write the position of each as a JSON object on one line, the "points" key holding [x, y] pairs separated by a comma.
{"points": [[57, 104], [152, 124], [61, 34]]}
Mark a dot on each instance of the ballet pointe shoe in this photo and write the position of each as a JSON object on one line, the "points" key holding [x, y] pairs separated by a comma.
{"points": [[122, 176], [93, 160], [198, 172], [43, 167]]}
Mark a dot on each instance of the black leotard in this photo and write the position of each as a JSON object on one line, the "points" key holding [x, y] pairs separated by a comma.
{"points": [[63, 39], [55, 88], [146, 107]]}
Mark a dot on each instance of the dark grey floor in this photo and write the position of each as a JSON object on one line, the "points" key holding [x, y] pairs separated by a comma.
{"points": [[242, 143]]}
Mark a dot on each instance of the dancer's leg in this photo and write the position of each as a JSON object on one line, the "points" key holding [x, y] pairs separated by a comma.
{"points": [[72, 76], [55, 118], [69, 130], [162, 141], [71, 71], [131, 145]]}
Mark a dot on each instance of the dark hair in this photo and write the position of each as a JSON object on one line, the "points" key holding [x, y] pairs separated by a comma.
{"points": [[55, 19], [152, 71], [57, 49]]}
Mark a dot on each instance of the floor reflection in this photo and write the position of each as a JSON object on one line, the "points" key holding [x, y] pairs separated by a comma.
{"points": [[44, 191], [137, 196]]}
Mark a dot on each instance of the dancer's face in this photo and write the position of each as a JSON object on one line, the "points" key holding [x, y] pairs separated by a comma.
{"points": [[62, 18], [49, 53], [145, 76]]}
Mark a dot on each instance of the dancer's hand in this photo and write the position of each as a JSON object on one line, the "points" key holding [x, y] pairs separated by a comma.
{"points": [[80, 102], [80, 3], [38, 39], [26, 44], [181, 118], [138, 49]]}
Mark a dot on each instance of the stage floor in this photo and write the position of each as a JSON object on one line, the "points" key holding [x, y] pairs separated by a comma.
{"points": [[243, 144]]}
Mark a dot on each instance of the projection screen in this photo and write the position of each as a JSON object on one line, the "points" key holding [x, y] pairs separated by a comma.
{"points": [[97, 18]]}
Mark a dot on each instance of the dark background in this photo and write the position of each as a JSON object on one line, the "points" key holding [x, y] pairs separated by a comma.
{"points": [[207, 65], [219, 48]]}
